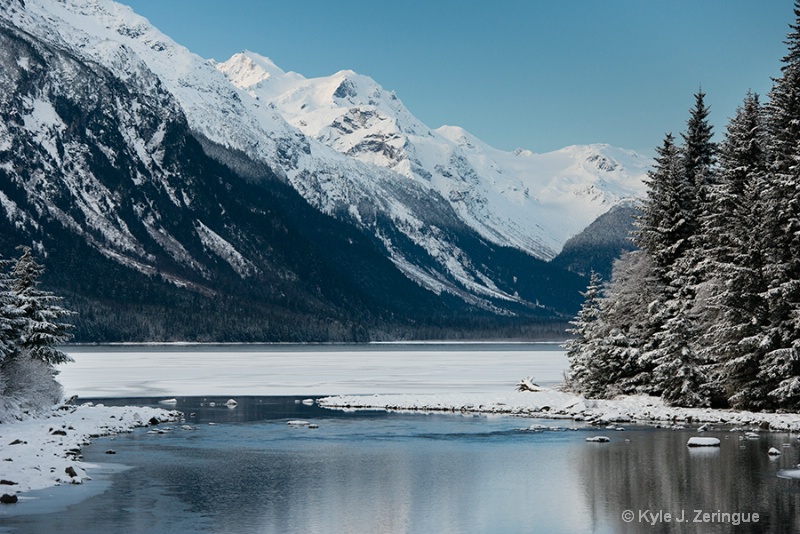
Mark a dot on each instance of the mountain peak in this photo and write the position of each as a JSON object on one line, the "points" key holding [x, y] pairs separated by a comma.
{"points": [[247, 70]]}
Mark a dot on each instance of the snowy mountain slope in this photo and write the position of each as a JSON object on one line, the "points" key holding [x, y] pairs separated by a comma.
{"points": [[99, 165], [453, 214], [128, 45], [152, 239], [421, 232], [534, 202]]}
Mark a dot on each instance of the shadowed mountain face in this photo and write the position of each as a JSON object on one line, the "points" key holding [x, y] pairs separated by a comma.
{"points": [[602, 242], [149, 237]]}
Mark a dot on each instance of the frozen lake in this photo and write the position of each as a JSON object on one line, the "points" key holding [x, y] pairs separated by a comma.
{"points": [[181, 370], [372, 471]]}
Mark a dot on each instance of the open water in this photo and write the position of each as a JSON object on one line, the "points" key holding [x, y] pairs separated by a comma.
{"points": [[247, 470]]}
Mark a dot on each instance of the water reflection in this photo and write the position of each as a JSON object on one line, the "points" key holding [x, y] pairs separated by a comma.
{"points": [[655, 473], [377, 472]]}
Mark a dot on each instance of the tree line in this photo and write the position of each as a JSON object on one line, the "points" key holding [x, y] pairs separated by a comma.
{"points": [[706, 310], [31, 328]]}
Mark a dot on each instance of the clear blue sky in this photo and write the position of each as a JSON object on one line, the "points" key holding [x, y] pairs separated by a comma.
{"points": [[536, 74]]}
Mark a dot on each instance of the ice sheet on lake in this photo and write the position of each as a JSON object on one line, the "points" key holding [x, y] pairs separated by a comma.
{"points": [[176, 371]]}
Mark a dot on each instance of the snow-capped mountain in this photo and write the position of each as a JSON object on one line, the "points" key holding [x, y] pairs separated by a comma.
{"points": [[534, 202], [101, 116]]}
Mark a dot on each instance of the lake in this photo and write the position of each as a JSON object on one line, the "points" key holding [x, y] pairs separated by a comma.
{"points": [[279, 369], [247, 470]]}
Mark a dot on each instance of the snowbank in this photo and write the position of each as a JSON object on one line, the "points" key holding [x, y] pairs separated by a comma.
{"points": [[44, 451], [550, 403]]}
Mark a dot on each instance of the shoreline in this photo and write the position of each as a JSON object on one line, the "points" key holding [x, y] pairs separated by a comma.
{"points": [[44, 450], [554, 404]]}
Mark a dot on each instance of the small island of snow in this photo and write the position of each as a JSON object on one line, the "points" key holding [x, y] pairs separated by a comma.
{"points": [[703, 442]]}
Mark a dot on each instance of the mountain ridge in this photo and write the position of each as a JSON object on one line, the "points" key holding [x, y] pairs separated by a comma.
{"points": [[509, 198], [109, 133]]}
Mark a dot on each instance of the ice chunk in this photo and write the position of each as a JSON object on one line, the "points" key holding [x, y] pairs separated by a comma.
{"points": [[703, 442], [789, 473]]}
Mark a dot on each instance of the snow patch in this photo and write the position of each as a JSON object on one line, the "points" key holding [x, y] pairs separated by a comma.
{"points": [[219, 246]]}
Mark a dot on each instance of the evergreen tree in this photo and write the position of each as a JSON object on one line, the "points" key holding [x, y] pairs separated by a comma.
{"points": [[605, 356], [42, 330], [667, 232], [699, 155], [11, 321], [663, 229], [580, 348], [736, 310], [680, 371], [679, 374], [780, 369], [629, 314], [699, 151]]}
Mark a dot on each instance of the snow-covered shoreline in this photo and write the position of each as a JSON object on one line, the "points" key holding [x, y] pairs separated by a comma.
{"points": [[551, 403], [43, 450]]}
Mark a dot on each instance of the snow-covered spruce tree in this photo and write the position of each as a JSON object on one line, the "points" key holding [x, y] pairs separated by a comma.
{"points": [[679, 372], [11, 321], [623, 350], [667, 232], [699, 152], [605, 355], [664, 225], [662, 235], [780, 369], [42, 330], [691, 272], [28, 329], [626, 314], [580, 349], [735, 308]]}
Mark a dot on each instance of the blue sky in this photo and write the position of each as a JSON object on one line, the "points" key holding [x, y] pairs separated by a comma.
{"points": [[536, 74]]}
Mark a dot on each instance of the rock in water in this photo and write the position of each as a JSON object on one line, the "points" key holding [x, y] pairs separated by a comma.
{"points": [[703, 442]]}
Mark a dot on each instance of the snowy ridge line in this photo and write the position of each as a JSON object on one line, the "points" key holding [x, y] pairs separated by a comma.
{"points": [[550, 403], [343, 142], [44, 450]]}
